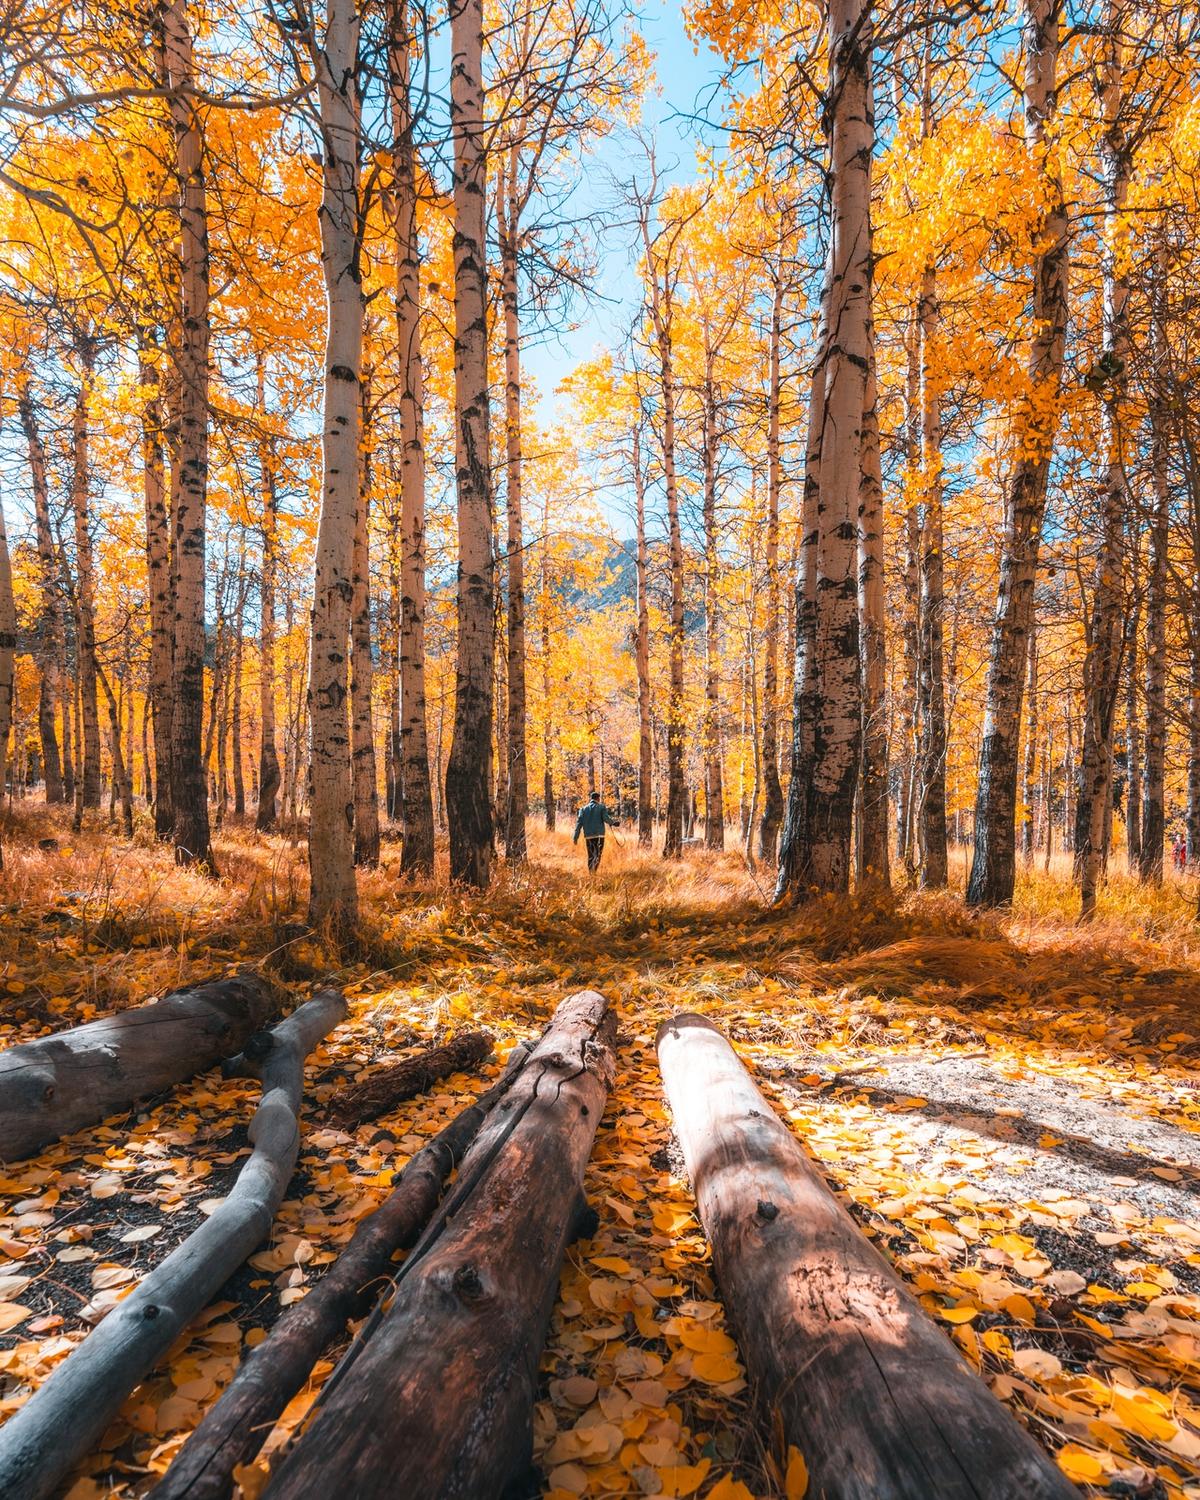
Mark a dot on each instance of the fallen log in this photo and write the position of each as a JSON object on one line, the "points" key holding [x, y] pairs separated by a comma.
{"points": [[52, 1086], [66, 1417], [386, 1089], [438, 1400], [850, 1370], [239, 1424]]}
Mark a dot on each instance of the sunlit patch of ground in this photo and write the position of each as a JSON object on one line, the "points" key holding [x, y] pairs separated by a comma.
{"points": [[1008, 1106]]}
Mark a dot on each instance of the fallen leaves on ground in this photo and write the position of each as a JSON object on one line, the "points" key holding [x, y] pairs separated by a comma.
{"points": [[1070, 1278]]}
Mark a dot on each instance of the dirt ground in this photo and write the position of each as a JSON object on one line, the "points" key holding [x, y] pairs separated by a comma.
{"points": [[1008, 1108]]}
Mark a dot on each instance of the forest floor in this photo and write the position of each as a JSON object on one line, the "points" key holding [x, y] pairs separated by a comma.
{"points": [[1007, 1105]]}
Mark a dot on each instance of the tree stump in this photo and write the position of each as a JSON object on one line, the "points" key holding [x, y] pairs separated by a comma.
{"points": [[67, 1416], [437, 1399], [849, 1369], [52, 1086]]}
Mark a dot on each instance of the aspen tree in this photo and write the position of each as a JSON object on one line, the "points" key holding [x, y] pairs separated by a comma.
{"points": [[8, 647], [333, 898], [873, 856], [1154, 823], [931, 676], [87, 793], [161, 680], [993, 868], [51, 624], [642, 642], [268, 757], [508, 220], [1102, 661], [468, 771], [661, 275], [816, 849], [415, 793], [772, 787], [362, 723], [189, 791]]}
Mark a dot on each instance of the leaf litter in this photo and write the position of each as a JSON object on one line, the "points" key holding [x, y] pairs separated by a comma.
{"points": [[1008, 1111]]}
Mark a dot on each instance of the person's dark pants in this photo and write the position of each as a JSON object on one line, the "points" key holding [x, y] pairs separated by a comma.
{"points": [[595, 848]]}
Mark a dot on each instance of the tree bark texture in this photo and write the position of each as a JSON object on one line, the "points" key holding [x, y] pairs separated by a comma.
{"points": [[415, 792], [384, 1090], [50, 625], [931, 674], [828, 732], [333, 898], [468, 771], [189, 789], [509, 230], [847, 1367], [58, 1083], [993, 867], [437, 1398], [237, 1426]]}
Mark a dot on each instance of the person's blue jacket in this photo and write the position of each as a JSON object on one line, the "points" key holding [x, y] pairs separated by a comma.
{"points": [[593, 816]]}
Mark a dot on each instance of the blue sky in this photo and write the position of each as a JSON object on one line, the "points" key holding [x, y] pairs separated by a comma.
{"points": [[684, 86]]}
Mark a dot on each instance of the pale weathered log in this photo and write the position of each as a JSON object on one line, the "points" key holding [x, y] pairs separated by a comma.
{"points": [[848, 1368], [67, 1416], [389, 1087], [437, 1401], [52, 1086], [241, 1421]]}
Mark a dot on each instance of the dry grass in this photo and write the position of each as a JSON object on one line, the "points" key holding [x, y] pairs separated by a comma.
{"points": [[94, 924]]}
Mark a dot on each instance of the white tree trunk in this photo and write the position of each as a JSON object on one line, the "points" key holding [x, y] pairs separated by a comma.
{"points": [[819, 842], [333, 897], [993, 869], [468, 773], [518, 772], [189, 790], [415, 797], [8, 651]]}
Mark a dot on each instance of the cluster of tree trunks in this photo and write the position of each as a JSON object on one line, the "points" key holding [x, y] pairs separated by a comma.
{"points": [[852, 1373], [55, 1084], [67, 1416]]}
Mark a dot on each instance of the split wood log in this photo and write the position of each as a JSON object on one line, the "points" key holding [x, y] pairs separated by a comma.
{"points": [[386, 1089], [438, 1400], [52, 1086], [66, 1417], [849, 1368], [239, 1424]]}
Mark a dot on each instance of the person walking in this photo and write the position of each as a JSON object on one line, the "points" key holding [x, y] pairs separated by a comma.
{"points": [[593, 818]]}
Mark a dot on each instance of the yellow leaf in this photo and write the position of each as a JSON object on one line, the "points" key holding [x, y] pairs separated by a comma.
{"points": [[729, 1489], [1020, 1308], [795, 1481], [612, 1263], [11, 1313], [716, 1368], [963, 1313], [1078, 1465]]}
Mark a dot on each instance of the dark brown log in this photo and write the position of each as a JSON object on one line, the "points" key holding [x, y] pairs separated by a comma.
{"points": [[383, 1091], [437, 1401], [848, 1368], [241, 1421], [54, 1085], [67, 1416]]}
